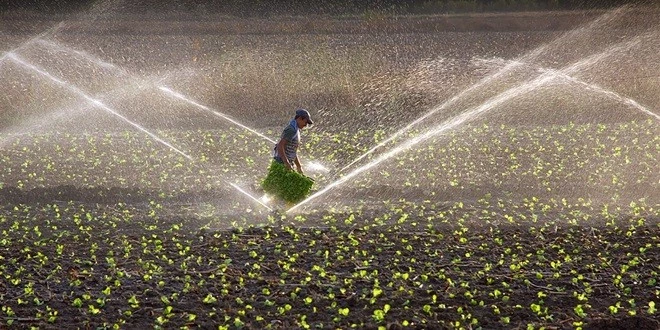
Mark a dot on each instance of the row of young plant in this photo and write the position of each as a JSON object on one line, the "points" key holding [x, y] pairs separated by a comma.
{"points": [[492, 264], [497, 261], [540, 160], [612, 158]]}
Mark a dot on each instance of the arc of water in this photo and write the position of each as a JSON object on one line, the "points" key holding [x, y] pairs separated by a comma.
{"points": [[503, 71], [609, 93], [85, 55], [454, 122], [30, 41], [124, 72], [100, 104], [54, 115], [250, 196], [167, 90], [591, 86], [216, 113], [95, 102]]}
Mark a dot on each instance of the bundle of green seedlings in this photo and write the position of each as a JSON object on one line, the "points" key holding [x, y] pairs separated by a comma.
{"points": [[287, 185]]}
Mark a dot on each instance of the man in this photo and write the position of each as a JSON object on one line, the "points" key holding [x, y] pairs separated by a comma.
{"points": [[286, 150]]}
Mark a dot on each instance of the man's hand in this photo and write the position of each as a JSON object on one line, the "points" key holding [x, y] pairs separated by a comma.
{"points": [[300, 170]]}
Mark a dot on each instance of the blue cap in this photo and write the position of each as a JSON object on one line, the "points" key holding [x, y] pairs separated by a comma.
{"points": [[304, 114]]}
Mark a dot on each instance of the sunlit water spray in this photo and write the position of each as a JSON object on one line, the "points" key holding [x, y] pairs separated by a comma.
{"points": [[70, 112], [261, 201], [95, 102], [85, 55], [508, 68], [100, 104], [30, 41], [219, 114], [588, 86], [608, 93], [315, 166], [168, 91], [39, 123], [490, 104], [139, 81], [125, 73]]}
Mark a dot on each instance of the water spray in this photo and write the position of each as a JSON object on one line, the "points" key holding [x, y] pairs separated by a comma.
{"points": [[609, 93], [250, 196], [491, 103], [102, 106], [593, 87], [503, 71], [95, 102], [313, 166], [40, 122], [126, 73], [32, 40], [167, 90], [219, 114]]}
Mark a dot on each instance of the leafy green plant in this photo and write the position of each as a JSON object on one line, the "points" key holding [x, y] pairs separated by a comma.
{"points": [[285, 184]]}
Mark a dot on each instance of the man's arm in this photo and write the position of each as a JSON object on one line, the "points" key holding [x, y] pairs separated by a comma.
{"points": [[281, 147], [298, 165]]}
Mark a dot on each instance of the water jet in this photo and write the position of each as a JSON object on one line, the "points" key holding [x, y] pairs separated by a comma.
{"points": [[471, 114], [95, 102]]}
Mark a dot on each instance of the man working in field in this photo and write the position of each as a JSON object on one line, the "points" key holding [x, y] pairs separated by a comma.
{"points": [[286, 151], [282, 181]]}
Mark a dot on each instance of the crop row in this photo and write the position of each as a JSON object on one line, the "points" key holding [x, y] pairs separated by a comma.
{"points": [[539, 262], [600, 161]]}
